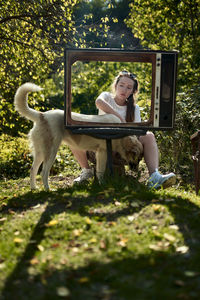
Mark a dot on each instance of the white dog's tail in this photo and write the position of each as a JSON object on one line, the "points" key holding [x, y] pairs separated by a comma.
{"points": [[20, 101]]}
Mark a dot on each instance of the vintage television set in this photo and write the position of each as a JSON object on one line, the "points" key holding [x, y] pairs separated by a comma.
{"points": [[163, 73]]}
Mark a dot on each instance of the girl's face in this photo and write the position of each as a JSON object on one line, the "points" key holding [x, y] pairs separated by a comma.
{"points": [[123, 89]]}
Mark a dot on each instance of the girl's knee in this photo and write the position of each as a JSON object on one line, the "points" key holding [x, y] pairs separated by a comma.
{"points": [[148, 138]]}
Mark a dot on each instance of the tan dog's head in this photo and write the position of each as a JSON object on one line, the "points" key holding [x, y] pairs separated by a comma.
{"points": [[133, 150]]}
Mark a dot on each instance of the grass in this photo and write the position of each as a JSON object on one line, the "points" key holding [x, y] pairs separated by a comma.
{"points": [[118, 241]]}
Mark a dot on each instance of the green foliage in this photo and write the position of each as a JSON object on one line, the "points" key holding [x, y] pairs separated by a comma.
{"points": [[168, 25], [175, 146], [16, 159], [33, 35], [106, 22]]}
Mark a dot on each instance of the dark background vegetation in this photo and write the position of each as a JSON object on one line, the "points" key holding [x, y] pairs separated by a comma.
{"points": [[33, 35]]}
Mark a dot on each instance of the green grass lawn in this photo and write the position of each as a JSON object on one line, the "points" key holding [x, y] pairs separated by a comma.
{"points": [[118, 241]]}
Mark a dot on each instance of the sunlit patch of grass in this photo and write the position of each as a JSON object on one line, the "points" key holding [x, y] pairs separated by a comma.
{"points": [[109, 241]]}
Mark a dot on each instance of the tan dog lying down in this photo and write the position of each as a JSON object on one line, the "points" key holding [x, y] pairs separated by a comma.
{"points": [[48, 132]]}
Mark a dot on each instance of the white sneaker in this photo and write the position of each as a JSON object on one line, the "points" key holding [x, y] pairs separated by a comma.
{"points": [[156, 180], [85, 175]]}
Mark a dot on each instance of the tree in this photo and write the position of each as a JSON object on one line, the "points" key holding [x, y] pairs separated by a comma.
{"points": [[107, 20], [33, 35], [168, 25]]}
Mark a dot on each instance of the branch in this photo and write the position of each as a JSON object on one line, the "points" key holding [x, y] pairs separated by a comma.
{"points": [[26, 45], [4, 20], [20, 17]]}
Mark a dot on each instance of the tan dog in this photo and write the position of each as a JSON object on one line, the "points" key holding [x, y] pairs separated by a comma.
{"points": [[49, 131]]}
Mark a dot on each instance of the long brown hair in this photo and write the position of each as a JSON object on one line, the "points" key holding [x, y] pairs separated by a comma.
{"points": [[130, 101]]}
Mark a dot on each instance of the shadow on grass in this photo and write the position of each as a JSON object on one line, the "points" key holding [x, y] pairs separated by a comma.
{"points": [[157, 275]]}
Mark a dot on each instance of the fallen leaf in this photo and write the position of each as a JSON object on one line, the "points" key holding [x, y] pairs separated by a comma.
{"points": [[18, 240], [169, 237], [157, 207], [3, 219], [130, 218], [154, 247], [102, 244], [83, 279], [182, 249], [69, 204], [63, 261], [92, 240], [112, 223], [62, 291], [36, 206], [34, 261], [2, 266], [133, 217], [75, 249], [41, 248], [52, 223], [122, 242], [77, 232], [175, 227], [56, 245], [139, 231], [160, 246], [157, 233], [88, 221], [191, 273], [154, 227]]}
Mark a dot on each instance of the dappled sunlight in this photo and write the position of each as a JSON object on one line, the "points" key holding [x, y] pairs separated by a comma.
{"points": [[107, 239]]}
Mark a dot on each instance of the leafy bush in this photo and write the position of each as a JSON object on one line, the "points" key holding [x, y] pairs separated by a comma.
{"points": [[16, 159], [175, 146]]}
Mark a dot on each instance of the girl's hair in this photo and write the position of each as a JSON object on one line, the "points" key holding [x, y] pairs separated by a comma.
{"points": [[130, 101]]}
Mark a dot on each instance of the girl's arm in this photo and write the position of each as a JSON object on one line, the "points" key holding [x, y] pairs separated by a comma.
{"points": [[107, 108]]}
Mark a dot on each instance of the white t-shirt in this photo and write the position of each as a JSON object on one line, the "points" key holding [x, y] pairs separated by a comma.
{"points": [[108, 97]]}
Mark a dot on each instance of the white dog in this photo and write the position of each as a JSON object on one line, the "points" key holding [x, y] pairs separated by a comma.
{"points": [[49, 131]]}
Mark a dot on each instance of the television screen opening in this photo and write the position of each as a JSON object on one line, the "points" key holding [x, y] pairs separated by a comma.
{"points": [[88, 72]]}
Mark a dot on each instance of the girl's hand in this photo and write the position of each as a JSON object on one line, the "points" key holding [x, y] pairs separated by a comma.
{"points": [[122, 119]]}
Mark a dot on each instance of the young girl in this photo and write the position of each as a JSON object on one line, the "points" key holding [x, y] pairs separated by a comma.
{"points": [[122, 104]]}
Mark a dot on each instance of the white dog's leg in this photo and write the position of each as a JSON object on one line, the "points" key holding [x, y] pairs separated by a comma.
{"points": [[101, 159], [34, 169], [47, 164]]}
